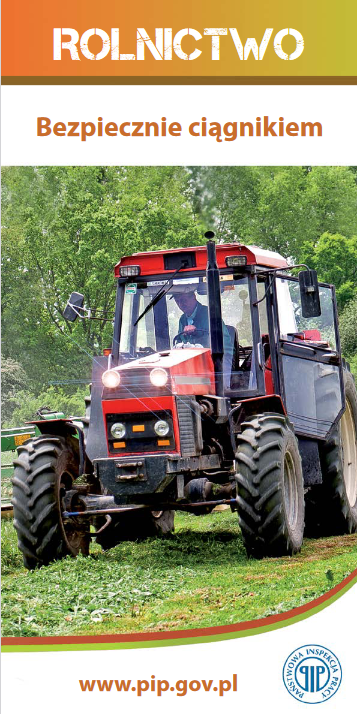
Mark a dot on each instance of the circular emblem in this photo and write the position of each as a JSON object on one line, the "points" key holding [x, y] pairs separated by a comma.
{"points": [[312, 674]]}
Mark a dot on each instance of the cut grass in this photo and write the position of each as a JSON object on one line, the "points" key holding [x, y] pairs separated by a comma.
{"points": [[199, 577]]}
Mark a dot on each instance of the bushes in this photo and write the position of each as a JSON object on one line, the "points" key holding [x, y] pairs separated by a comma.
{"points": [[348, 323], [27, 404], [19, 402], [353, 366], [13, 380]]}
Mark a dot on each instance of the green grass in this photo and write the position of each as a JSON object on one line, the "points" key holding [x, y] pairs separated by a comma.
{"points": [[199, 577]]}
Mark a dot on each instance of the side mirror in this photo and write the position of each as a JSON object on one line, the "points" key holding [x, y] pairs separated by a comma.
{"points": [[309, 293], [76, 300]]}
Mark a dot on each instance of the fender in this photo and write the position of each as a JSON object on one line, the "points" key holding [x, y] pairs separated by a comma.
{"points": [[269, 402], [256, 405], [66, 428]]}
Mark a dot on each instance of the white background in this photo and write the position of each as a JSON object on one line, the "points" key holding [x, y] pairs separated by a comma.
{"points": [[334, 107], [44, 682]]}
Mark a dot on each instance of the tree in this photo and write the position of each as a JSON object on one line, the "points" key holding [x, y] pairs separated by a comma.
{"points": [[66, 228], [335, 259], [348, 325], [13, 379], [285, 209]]}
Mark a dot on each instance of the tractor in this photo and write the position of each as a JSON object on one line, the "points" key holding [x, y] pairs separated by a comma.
{"points": [[224, 385]]}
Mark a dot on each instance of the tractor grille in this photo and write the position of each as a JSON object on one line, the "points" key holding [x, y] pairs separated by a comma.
{"points": [[136, 383], [140, 436], [186, 417]]}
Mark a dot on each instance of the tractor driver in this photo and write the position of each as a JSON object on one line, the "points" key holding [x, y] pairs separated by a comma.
{"points": [[194, 327]]}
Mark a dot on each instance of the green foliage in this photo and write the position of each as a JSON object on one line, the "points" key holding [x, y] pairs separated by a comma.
{"points": [[13, 379], [65, 228], [55, 398], [348, 328], [199, 577], [285, 209], [335, 259], [353, 366]]}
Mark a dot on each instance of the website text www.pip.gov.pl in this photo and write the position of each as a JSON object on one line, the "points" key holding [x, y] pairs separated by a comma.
{"points": [[159, 686]]}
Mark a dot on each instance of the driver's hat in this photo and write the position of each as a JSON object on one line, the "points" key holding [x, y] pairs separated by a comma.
{"points": [[185, 289], [178, 293]]}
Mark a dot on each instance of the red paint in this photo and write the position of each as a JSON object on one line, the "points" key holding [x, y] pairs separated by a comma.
{"points": [[191, 362], [268, 376], [309, 335], [263, 401], [138, 406], [153, 263], [195, 362]]}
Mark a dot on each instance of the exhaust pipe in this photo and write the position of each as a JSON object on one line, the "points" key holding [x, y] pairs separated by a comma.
{"points": [[215, 312]]}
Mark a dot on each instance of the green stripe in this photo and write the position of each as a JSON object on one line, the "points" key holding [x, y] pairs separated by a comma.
{"points": [[63, 647]]}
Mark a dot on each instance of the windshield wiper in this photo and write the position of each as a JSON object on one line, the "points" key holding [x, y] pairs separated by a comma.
{"points": [[161, 292]]}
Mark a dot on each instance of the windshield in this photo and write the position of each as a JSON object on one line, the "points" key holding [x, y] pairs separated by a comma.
{"points": [[180, 320]]}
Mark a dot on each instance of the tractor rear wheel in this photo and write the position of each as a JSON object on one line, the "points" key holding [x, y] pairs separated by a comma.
{"points": [[331, 508], [270, 491], [44, 473]]}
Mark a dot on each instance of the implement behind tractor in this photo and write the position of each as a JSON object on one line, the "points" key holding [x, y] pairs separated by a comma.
{"points": [[224, 385]]}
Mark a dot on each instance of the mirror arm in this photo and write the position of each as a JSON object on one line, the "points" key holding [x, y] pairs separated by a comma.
{"points": [[76, 309], [88, 313]]}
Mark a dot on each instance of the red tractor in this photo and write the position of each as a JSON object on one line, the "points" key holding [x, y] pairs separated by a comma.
{"points": [[224, 385]]}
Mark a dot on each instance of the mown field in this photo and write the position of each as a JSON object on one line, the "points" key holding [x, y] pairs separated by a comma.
{"points": [[198, 577]]}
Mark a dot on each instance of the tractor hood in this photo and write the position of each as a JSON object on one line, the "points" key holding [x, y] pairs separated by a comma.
{"points": [[189, 371]]}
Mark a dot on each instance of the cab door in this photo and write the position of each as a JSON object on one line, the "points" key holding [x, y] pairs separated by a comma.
{"points": [[309, 361]]}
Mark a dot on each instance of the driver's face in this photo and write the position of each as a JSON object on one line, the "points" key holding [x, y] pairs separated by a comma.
{"points": [[186, 302]]}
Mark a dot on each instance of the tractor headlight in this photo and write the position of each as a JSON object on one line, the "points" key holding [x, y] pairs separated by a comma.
{"points": [[162, 428], [158, 377], [118, 430], [111, 378]]}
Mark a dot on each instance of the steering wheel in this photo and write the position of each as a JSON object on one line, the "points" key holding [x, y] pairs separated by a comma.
{"points": [[246, 354], [187, 334]]}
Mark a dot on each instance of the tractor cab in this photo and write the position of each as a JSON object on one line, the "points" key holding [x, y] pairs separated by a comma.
{"points": [[179, 320], [176, 301], [262, 327]]}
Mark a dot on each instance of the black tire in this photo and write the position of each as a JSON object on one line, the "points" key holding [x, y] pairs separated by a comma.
{"points": [[270, 490], [331, 508], [43, 476]]}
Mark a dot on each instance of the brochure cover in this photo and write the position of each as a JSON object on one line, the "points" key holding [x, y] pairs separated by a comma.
{"points": [[179, 356]]}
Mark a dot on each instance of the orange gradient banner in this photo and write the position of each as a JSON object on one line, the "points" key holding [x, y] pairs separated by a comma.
{"points": [[327, 28]]}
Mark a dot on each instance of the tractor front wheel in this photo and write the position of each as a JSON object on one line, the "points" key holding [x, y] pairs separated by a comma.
{"points": [[42, 489], [270, 491]]}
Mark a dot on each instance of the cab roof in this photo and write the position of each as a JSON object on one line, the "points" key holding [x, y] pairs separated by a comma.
{"points": [[155, 262]]}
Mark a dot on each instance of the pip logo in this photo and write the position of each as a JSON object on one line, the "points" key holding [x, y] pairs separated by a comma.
{"points": [[312, 674]]}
